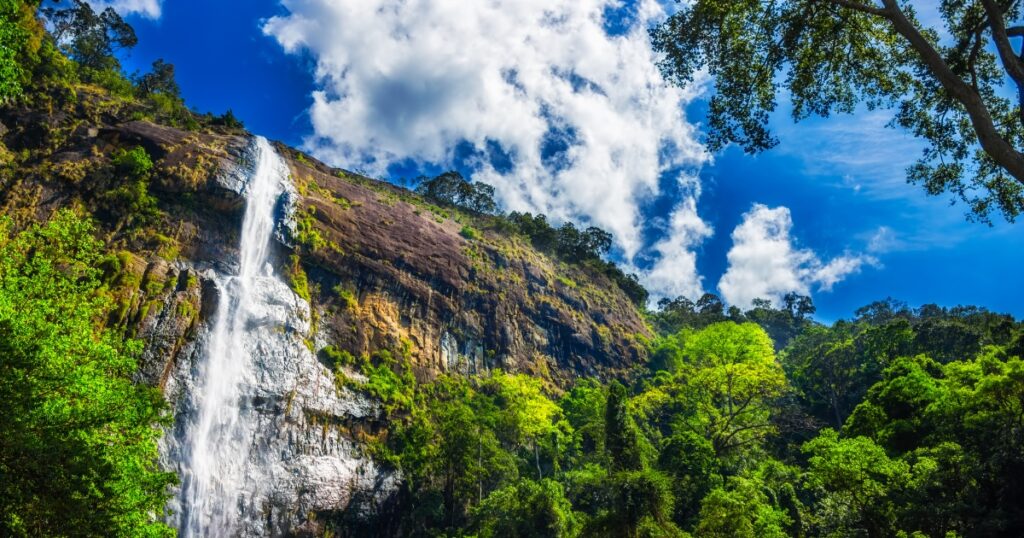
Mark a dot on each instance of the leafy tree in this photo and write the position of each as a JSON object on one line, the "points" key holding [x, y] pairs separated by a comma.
{"points": [[526, 509], [740, 510], [584, 408], [451, 188], [782, 324], [830, 372], [857, 482], [78, 452], [13, 41], [159, 80], [526, 417], [695, 469], [90, 38], [621, 438], [642, 506], [728, 379], [830, 55]]}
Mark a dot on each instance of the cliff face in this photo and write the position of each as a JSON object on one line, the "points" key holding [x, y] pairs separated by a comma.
{"points": [[388, 270], [381, 268], [394, 271]]}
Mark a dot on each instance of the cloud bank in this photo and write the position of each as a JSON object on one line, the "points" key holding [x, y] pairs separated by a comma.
{"points": [[557, 103], [765, 263]]}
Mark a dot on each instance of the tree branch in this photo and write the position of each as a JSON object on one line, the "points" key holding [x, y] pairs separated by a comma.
{"points": [[1011, 63], [857, 6], [1004, 154]]}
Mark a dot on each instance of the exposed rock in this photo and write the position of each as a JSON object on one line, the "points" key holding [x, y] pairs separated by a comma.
{"points": [[493, 301]]}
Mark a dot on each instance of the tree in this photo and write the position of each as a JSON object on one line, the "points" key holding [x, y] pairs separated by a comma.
{"points": [[526, 509], [830, 371], [451, 188], [831, 55], [78, 453], [740, 510], [726, 384], [857, 483], [621, 437], [160, 79], [526, 417], [13, 40], [90, 38]]}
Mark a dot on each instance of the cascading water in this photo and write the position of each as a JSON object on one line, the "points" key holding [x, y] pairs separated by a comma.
{"points": [[251, 443], [223, 437]]}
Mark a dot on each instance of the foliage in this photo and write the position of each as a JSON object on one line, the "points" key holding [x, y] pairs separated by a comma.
{"points": [[526, 509], [13, 42], [452, 189], [129, 203], [829, 56], [88, 37], [160, 80], [77, 437]]}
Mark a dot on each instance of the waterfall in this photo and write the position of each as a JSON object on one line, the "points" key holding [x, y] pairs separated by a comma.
{"points": [[250, 442], [223, 437]]}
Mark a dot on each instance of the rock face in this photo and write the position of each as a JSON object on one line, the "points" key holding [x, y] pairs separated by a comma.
{"points": [[395, 271], [387, 271]]}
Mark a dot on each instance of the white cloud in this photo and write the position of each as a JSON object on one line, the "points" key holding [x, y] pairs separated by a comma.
{"points": [[414, 79], [765, 263], [675, 272], [146, 8]]}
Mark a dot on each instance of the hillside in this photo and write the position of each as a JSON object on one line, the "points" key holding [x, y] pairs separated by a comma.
{"points": [[401, 267], [205, 333]]}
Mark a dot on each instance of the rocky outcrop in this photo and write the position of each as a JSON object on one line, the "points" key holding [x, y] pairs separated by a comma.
{"points": [[395, 271]]}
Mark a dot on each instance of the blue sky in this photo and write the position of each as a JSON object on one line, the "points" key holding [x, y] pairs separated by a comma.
{"points": [[839, 180]]}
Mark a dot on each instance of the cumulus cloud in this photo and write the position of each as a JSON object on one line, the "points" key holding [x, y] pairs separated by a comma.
{"points": [[557, 103], [765, 263], [675, 273], [146, 8]]}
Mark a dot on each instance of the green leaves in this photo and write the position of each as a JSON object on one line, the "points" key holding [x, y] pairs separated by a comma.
{"points": [[78, 437], [829, 56]]}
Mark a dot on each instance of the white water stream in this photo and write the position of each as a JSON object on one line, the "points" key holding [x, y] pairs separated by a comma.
{"points": [[222, 439], [259, 441]]}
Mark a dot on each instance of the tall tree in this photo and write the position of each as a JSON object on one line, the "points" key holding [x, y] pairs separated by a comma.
{"points": [[88, 37], [78, 453], [831, 55]]}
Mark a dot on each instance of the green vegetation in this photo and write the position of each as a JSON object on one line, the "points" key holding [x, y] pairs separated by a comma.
{"points": [[77, 437], [722, 436], [944, 82], [469, 232], [130, 203], [452, 189]]}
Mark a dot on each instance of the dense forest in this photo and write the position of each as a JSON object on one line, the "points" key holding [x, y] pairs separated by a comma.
{"points": [[899, 421]]}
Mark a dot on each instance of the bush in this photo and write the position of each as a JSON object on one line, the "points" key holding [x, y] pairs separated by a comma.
{"points": [[130, 203]]}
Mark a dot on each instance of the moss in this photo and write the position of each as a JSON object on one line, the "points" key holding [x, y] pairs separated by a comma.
{"points": [[306, 233], [337, 357], [469, 233], [347, 296], [566, 281], [298, 279]]}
